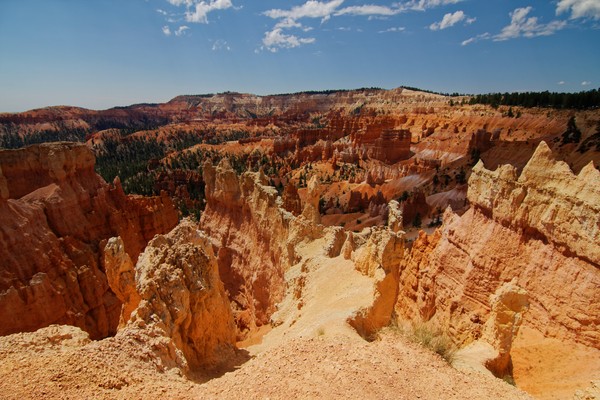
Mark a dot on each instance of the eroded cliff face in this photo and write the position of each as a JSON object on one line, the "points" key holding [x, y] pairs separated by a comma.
{"points": [[255, 239], [546, 200], [55, 212], [539, 230], [174, 295]]}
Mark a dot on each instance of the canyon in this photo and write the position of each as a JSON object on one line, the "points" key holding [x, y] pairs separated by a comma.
{"points": [[301, 245]]}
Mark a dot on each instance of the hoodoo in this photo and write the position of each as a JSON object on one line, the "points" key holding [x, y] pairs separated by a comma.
{"points": [[55, 212]]}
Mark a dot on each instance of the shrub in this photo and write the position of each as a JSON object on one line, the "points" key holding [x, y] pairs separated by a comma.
{"points": [[429, 336]]}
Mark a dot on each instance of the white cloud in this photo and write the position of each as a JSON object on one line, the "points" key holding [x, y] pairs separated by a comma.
{"points": [[370, 10], [579, 8], [324, 10], [521, 25], [276, 39], [396, 8], [200, 10], [586, 83], [178, 3], [310, 9], [483, 36], [181, 30], [422, 5], [220, 44], [163, 12], [451, 19], [394, 29], [178, 32], [560, 83]]}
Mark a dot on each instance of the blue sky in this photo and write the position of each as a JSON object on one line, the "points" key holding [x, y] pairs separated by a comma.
{"points": [[103, 53]]}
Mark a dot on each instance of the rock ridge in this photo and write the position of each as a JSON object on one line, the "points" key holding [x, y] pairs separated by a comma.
{"points": [[174, 292], [546, 200], [255, 241], [56, 211]]}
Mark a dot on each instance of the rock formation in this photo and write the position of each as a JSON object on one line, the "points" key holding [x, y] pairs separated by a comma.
{"points": [[392, 146], [539, 231], [523, 258], [310, 211], [175, 293], [395, 217], [55, 212], [547, 200], [379, 258], [255, 239], [508, 306], [291, 199]]}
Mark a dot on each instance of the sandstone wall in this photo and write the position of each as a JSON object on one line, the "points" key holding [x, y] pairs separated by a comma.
{"points": [[538, 230], [55, 212], [255, 240], [174, 293], [546, 200]]}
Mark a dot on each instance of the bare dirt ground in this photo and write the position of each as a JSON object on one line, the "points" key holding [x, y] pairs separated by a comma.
{"points": [[319, 367], [551, 369], [312, 353]]}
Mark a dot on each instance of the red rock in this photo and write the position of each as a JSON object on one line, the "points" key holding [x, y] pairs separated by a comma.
{"points": [[56, 213]]}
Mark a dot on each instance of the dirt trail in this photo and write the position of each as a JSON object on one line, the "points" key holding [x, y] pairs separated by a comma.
{"points": [[313, 353]]}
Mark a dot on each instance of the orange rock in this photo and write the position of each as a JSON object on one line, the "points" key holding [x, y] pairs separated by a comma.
{"points": [[254, 238], [176, 293], [56, 212], [537, 229]]}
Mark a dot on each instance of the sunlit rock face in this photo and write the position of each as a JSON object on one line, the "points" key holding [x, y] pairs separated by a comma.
{"points": [[55, 212]]}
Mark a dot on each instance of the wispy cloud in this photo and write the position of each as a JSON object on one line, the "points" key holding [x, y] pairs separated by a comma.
{"points": [[220, 44], [181, 30], [324, 10], [276, 39], [199, 12], [310, 9], [196, 11], [178, 3], [450, 20], [520, 26], [166, 30], [579, 8], [586, 83], [422, 5], [370, 10], [394, 29], [560, 83], [474, 39]]}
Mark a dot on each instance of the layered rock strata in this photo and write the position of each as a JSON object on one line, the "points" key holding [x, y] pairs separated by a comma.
{"points": [[539, 231], [174, 293], [254, 238], [379, 259], [55, 212]]}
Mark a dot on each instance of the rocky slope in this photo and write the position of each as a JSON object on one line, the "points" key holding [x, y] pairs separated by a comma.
{"points": [[55, 212], [173, 298], [255, 238], [303, 253], [538, 230], [177, 334]]}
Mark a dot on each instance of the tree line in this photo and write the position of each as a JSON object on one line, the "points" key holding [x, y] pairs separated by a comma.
{"points": [[580, 100]]}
